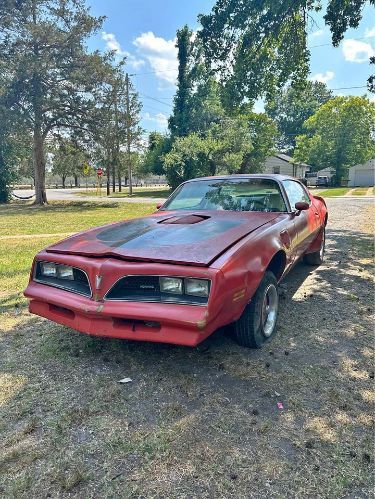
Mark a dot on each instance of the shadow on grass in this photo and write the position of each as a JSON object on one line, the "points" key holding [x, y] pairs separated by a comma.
{"points": [[202, 422], [14, 209]]}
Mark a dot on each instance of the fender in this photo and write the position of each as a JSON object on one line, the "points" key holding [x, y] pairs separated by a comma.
{"points": [[244, 264]]}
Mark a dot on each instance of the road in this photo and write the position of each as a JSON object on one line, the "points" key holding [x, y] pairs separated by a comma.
{"points": [[71, 195]]}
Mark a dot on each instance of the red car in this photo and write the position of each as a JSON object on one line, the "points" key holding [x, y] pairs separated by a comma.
{"points": [[212, 255]]}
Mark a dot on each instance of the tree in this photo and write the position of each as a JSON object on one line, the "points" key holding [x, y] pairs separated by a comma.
{"points": [[263, 132], [258, 46], [14, 145], [291, 107], [339, 135], [115, 125], [158, 146], [221, 150], [179, 119], [68, 159], [51, 75]]}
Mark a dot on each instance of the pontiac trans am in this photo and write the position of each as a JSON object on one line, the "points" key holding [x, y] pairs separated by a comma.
{"points": [[212, 255]]}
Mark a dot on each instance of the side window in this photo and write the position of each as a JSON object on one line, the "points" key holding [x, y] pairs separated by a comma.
{"points": [[295, 192]]}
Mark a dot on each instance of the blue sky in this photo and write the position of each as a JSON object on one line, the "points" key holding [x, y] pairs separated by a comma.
{"points": [[144, 31]]}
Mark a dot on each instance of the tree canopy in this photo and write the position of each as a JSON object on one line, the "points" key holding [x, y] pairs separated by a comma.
{"points": [[258, 46], [339, 135], [291, 107], [51, 75]]}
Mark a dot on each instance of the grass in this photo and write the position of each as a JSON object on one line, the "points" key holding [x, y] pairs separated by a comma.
{"points": [[146, 192], [335, 191], [200, 422], [361, 191], [26, 230]]}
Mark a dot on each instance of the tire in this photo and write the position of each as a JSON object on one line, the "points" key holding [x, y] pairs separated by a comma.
{"points": [[317, 257], [254, 328]]}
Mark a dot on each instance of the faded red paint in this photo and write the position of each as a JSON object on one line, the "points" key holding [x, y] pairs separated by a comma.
{"points": [[234, 260]]}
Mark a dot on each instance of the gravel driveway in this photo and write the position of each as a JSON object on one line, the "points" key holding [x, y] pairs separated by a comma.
{"points": [[294, 419]]}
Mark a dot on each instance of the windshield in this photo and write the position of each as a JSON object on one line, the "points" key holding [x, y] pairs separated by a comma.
{"points": [[254, 194]]}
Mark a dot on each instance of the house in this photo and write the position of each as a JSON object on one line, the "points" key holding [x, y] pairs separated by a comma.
{"points": [[284, 164], [362, 175]]}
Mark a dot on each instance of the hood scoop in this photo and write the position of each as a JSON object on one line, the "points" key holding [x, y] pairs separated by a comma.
{"points": [[184, 220]]}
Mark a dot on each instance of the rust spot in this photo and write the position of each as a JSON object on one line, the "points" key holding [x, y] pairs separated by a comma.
{"points": [[239, 294], [201, 324]]}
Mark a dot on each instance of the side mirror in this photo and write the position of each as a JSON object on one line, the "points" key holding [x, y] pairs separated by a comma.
{"points": [[159, 205], [301, 206]]}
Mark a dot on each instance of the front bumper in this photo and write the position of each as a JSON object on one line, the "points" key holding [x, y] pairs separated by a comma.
{"points": [[176, 324]]}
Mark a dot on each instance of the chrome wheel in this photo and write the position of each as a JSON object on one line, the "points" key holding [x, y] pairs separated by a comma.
{"points": [[269, 309]]}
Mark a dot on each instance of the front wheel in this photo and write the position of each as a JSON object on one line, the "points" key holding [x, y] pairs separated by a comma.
{"points": [[317, 257], [257, 324]]}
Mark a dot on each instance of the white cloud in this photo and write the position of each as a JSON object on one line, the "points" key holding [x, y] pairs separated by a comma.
{"points": [[160, 53], [323, 77], [369, 33], [160, 119], [356, 51], [113, 44], [317, 33]]}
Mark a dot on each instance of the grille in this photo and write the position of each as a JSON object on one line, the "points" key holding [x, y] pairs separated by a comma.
{"points": [[80, 284], [147, 288]]}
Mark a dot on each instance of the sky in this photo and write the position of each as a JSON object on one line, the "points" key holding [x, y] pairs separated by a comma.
{"points": [[144, 31]]}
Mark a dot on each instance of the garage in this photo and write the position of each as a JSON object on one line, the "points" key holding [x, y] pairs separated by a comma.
{"points": [[362, 175]]}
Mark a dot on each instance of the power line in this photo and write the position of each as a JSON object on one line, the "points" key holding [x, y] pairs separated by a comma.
{"points": [[330, 43], [156, 100]]}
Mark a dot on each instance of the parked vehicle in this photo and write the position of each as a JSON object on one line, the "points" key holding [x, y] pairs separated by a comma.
{"points": [[212, 255], [322, 181]]}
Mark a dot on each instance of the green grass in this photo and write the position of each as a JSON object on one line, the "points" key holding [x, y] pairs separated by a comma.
{"points": [[143, 192], [361, 191], [16, 253], [61, 217], [335, 191]]}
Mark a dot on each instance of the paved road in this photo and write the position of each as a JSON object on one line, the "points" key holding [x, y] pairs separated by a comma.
{"points": [[71, 195]]}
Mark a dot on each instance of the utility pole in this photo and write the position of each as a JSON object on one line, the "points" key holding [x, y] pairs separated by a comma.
{"points": [[128, 137], [116, 155]]}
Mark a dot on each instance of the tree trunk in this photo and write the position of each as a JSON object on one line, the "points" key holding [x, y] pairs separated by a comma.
{"points": [[119, 180], [39, 167], [108, 180], [113, 177], [63, 178], [4, 188], [75, 180]]}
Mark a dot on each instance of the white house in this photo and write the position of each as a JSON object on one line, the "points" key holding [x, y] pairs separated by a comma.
{"points": [[362, 175], [284, 165]]}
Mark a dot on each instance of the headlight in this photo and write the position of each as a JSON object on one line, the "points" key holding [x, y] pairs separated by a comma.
{"points": [[48, 269], [65, 272], [171, 285], [197, 287]]}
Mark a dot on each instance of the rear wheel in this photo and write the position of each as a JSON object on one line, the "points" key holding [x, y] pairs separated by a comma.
{"points": [[317, 257], [257, 324]]}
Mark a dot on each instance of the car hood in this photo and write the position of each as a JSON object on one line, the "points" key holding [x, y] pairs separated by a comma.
{"points": [[189, 238]]}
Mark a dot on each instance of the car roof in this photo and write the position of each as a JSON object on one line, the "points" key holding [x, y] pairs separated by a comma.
{"points": [[238, 176]]}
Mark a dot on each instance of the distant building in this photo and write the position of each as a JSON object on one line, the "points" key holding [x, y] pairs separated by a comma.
{"points": [[284, 165], [362, 175]]}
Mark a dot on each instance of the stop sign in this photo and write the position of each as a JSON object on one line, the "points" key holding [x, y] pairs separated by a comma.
{"points": [[99, 172]]}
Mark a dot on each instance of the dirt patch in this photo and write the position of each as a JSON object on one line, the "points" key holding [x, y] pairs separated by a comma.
{"points": [[204, 422]]}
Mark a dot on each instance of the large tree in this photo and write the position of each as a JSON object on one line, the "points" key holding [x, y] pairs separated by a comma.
{"points": [[68, 159], [339, 135], [258, 46], [222, 149], [178, 122], [291, 107], [115, 125], [51, 75]]}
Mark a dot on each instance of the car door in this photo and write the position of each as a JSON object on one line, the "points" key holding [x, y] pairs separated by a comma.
{"points": [[306, 222]]}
